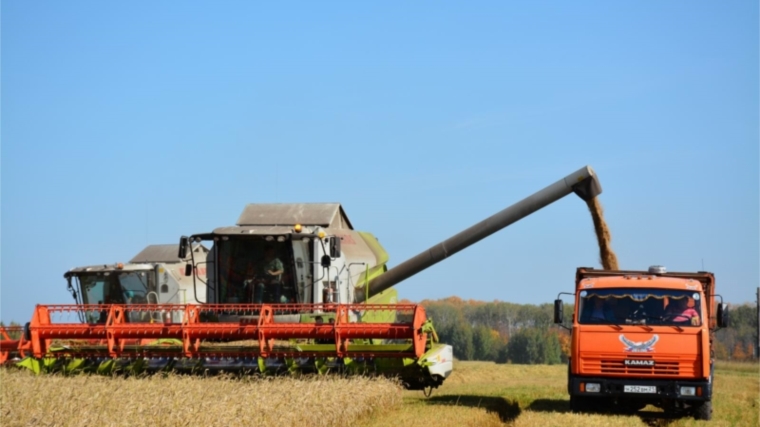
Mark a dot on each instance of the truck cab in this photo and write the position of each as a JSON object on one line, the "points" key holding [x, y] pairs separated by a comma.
{"points": [[643, 337]]}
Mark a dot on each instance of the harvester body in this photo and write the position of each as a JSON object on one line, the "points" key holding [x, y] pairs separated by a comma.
{"points": [[643, 337], [289, 288], [294, 271]]}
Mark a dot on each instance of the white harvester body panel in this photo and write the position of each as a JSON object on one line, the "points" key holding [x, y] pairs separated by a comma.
{"points": [[443, 361]]}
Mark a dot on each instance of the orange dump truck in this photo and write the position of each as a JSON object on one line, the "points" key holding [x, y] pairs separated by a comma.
{"points": [[643, 337]]}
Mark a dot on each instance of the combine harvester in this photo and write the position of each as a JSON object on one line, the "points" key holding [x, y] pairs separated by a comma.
{"points": [[290, 288], [153, 276]]}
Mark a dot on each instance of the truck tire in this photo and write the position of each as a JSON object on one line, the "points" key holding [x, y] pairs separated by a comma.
{"points": [[579, 404], [703, 411]]}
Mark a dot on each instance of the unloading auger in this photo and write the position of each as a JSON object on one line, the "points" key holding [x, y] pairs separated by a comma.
{"points": [[290, 288]]}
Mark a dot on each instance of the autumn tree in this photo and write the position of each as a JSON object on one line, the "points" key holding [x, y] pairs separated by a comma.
{"points": [[738, 352]]}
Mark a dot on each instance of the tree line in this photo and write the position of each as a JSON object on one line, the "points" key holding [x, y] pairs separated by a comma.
{"points": [[505, 332]]}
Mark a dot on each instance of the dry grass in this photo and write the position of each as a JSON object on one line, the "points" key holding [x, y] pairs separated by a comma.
{"points": [[83, 400], [486, 394]]}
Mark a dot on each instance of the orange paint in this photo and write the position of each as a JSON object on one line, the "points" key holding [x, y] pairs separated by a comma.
{"points": [[604, 350]]}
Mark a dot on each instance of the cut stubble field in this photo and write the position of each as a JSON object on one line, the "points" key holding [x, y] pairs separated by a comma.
{"points": [[477, 394], [488, 394]]}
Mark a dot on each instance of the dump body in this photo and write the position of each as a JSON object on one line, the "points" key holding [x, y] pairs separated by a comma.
{"points": [[642, 338]]}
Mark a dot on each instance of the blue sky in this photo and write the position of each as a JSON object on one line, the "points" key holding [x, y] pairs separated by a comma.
{"points": [[131, 124]]}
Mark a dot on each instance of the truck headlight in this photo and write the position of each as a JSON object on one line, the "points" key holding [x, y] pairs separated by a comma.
{"points": [[688, 391], [593, 387]]}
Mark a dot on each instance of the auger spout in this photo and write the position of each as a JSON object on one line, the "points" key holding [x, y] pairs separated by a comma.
{"points": [[582, 182]]}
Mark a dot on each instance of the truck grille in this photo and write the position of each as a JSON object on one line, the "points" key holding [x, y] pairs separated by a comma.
{"points": [[616, 366], [619, 367]]}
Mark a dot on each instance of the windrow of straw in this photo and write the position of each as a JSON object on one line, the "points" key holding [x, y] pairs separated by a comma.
{"points": [[84, 400]]}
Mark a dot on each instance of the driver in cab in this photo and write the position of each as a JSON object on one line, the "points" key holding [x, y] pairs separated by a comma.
{"points": [[269, 272], [678, 311]]}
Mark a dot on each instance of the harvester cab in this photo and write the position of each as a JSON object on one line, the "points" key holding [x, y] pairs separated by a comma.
{"points": [[287, 254], [153, 276]]}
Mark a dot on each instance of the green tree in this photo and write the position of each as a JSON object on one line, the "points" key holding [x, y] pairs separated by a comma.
{"points": [[551, 349], [451, 326], [524, 347], [534, 346], [485, 343], [461, 340]]}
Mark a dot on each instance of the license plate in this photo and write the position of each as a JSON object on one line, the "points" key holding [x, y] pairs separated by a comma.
{"points": [[640, 389]]}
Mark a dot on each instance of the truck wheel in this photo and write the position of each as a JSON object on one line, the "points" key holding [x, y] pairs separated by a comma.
{"points": [[703, 411], [631, 408], [578, 404]]}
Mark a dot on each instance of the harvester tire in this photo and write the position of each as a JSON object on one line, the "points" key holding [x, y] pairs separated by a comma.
{"points": [[27, 331], [703, 411]]}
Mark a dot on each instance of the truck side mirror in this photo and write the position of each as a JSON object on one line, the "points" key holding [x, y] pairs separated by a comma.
{"points": [[335, 247], [188, 269], [723, 315], [184, 242], [558, 307]]}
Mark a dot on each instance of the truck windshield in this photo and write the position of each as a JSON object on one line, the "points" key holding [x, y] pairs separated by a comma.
{"points": [[640, 306]]}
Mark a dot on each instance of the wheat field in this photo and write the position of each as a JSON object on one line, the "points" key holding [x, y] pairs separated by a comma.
{"points": [[477, 394], [89, 400]]}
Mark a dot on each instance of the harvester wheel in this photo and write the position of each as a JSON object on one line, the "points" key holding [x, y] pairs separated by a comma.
{"points": [[703, 411]]}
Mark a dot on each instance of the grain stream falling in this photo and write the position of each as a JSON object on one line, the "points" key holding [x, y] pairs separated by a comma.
{"points": [[606, 254]]}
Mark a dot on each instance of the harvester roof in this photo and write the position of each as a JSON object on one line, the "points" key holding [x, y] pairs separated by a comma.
{"points": [[152, 254], [105, 268], [327, 215], [162, 253], [254, 230]]}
